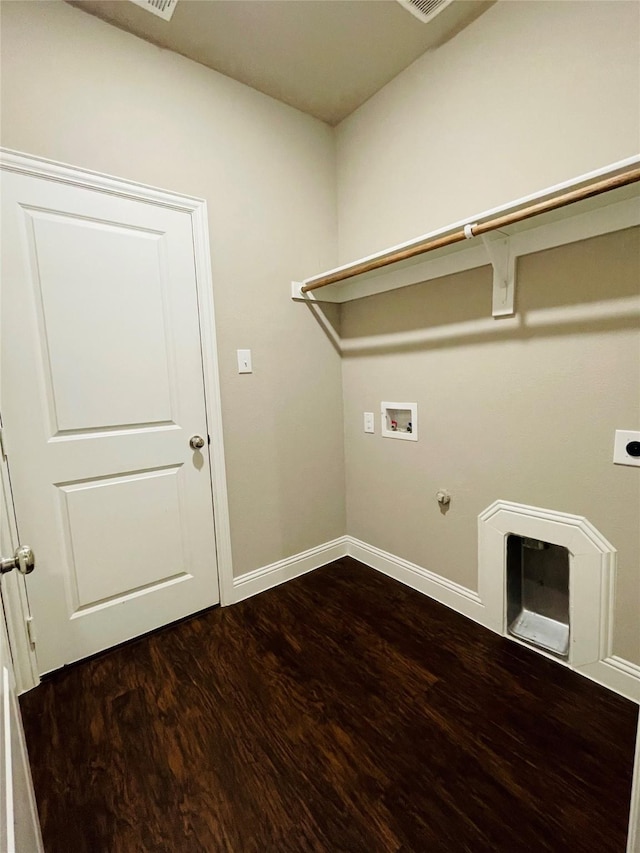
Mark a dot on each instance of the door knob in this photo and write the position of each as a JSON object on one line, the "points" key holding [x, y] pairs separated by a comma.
{"points": [[196, 442], [24, 560]]}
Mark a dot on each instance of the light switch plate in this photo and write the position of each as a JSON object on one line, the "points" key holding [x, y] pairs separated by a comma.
{"points": [[625, 437], [244, 361]]}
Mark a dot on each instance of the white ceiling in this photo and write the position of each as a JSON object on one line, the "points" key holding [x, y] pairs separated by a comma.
{"points": [[325, 57]]}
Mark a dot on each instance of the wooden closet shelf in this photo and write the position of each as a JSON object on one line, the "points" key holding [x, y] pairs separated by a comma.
{"points": [[596, 203]]}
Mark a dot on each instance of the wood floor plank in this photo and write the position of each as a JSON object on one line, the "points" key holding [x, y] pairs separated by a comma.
{"points": [[340, 712]]}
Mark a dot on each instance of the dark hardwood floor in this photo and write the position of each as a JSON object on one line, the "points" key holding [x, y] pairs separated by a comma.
{"points": [[340, 712]]}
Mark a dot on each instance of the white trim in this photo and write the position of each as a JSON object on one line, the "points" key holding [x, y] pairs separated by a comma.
{"points": [[16, 612], [259, 580], [14, 598], [633, 838], [213, 402], [620, 675], [40, 167], [52, 170], [457, 597], [592, 572], [626, 666]]}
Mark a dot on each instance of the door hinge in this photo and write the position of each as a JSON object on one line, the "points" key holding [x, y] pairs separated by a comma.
{"points": [[2, 449], [31, 631]]}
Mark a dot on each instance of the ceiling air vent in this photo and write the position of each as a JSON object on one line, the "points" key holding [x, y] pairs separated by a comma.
{"points": [[424, 10], [161, 8]]}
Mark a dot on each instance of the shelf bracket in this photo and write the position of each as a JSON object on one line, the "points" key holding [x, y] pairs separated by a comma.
{"points": [[503, 261], [296, 291]]}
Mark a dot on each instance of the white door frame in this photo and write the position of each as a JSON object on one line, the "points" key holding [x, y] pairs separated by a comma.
{"points": [[14, 597], [196, 208]]}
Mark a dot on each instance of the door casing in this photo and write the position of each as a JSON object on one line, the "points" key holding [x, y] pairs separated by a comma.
{"points": [[16, 605]]}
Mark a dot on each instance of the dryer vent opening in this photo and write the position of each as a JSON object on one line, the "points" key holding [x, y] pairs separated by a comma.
{"points": [[538, 593]]}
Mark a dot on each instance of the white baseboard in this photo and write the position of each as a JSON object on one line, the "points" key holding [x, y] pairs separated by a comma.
{"points": [[453, 595], [620, 675], [259, 580], [615, 673]]}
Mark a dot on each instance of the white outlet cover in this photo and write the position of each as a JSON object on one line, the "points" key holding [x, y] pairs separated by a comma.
{"points": [[369, 422], [620, 455]]}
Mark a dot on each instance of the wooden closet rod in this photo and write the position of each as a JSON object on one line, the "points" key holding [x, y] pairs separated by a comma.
{"points": [[477, 229]]}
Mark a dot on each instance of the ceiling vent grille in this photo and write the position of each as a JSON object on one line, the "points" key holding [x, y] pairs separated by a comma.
{"points": [[425, 10], [162, 8]]}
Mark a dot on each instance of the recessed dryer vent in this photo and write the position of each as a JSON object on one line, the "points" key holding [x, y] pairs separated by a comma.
{"points": [[538, 593], [400, 420], [546, 578]]}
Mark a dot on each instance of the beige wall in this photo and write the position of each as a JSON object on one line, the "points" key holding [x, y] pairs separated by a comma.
{"points": [[529, 95], [78, 90]]}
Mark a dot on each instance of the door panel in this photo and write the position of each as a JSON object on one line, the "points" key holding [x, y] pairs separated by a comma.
{"points": [[110, 277], [145, 545], [102, 387]]}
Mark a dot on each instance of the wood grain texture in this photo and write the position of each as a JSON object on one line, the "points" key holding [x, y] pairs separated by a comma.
{"points": [[339, 712]]}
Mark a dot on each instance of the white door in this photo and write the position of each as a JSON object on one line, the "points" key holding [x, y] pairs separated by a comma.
{"points": [[19, 827], [102, 389]]}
